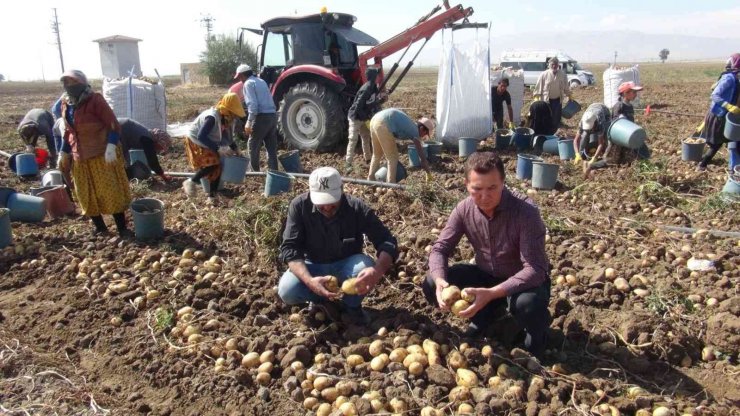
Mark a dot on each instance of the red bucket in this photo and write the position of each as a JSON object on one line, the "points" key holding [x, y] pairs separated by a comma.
{"points": [[57, 201]]}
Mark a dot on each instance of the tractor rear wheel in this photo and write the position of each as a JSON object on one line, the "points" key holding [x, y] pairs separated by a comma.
{"points": [[311, 117]]}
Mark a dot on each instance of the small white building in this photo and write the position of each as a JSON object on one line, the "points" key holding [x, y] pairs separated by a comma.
{"points": [[119, 56]]}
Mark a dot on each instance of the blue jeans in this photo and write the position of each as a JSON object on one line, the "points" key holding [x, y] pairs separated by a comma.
{"points": [[293, 292]]}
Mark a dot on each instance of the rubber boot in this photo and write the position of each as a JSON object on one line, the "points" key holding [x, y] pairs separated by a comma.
{"points": [[734, 155]]}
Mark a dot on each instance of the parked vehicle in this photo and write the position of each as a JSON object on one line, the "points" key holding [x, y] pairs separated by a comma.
{"points": [[533, 62]]}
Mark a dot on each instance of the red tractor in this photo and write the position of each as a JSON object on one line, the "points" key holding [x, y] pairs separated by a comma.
{"points": [[314, 71]]}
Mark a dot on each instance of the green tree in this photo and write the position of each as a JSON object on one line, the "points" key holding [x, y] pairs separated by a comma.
{"points": [[2, 77], [223, 55], [663, 54]]}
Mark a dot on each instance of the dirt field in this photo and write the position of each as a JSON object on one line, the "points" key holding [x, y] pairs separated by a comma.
{"points": [[98, 325]]}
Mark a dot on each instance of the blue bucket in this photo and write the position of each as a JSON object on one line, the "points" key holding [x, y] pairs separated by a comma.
{"points": [[466, 146], [25, 165], [291, 161], [137, 155], [26, 208], [692, 152], [414, 159], [732, 127], [566, 149], [522, 138], [6, 231], [503, 139], [277, 182], [731, 186], [433, 149], [550, 146], [382, 174], [234, 168], [148, 214], [4, 194], [625, 133], [524, 165], [571, 109], [544, 175]]}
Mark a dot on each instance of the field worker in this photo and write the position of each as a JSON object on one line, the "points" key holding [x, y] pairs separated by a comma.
{"points": [[261, 124], [623, 108], [365, 105], [152, 142], [507, 234], [725, 98], [592, 134], [38, 122], [390, 125], [324, 236], [539, 118], [499, 95], [238, 89], [56, 108], [552, 87], [92, 136], [209, 138]]}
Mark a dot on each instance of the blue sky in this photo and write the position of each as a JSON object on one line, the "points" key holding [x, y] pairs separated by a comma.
{"points": [[172, 34]]}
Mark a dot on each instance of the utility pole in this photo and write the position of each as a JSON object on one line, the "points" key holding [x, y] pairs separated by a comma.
{"points": [[55, 29], [207, 22], [615, 58]]}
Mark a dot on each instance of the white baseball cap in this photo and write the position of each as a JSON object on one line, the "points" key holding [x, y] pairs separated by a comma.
{"points": [[242, 68], [325, 186], [588, 120]]}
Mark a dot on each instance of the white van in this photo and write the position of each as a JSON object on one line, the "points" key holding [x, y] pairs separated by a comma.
{"points": [[534, 61]]}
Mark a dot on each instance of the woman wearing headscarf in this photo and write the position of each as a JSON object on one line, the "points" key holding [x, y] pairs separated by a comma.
{"points": [[539, 118], [155, 141], [208, 139], [91, 136], [725, 98]]}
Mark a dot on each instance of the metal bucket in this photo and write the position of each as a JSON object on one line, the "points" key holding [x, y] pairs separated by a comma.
{"points": [[52, 178], [692, 152], [6, 231], [277, 182], [26, 208], [571, 109], [382, 174], [544, 175], [522, 138], [732, 127], [234, 168], [566, 151], [148, 214], [291, 161], [137, 155], [466, 146], [627, 134], [25, 165], [524, 165], [57, 201], [503, 139]]}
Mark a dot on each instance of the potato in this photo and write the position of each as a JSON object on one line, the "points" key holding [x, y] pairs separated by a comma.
{"points": [[416, 369], [332, 285], [340, 401], [370, 395], [348, 286], [195, 339], [430, 411], [344, 388], [398, 355], [486, 351], [459, 394], [231, 344], [187, 253], [354, 360], [415, 349], [514, 392], [267, 356], [398, 405], [467, 296], [450, 295], [348, 409], [465, 409], [456, 360], [465, 377], [185, 310], [319, 358], [376, 348], [494, 381], [377, 405], [378, 363], [383, 331], [310, 403], [321, 382], [265, 367], [662, 411], [459, 306], [219, 369], [434, 358], [296, 366], [323, 410], [251, 360], [329, 394], [263, 379], [116, 321], [415, 358], [643, 412]]}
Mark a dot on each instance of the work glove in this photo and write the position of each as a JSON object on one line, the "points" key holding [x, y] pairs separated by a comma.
{"points": [[30, 148], [700, 128], [578, 159], [731, 108], [63, 161], [110, 153]]}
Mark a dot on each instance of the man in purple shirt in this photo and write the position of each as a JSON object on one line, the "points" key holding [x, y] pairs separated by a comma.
{"points": [[511, 267]]}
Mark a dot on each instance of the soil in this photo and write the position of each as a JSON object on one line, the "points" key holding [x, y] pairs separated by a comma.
{"points": [[94, 324]]}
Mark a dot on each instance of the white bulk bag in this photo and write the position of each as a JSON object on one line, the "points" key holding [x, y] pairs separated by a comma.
{"points": [[516, 90], [138, 100], [613, 77], [464, 89]]}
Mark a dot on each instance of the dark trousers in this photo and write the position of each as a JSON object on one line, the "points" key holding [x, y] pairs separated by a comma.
{"points": [[712, 150], [499, 119], [203, 172], [264, 130], [557, 111], [529, 307]]}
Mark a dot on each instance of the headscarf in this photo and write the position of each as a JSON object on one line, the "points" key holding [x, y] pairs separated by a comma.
{"points": [[161, 139], [80, 77], [733, 64], [230, 105]]}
